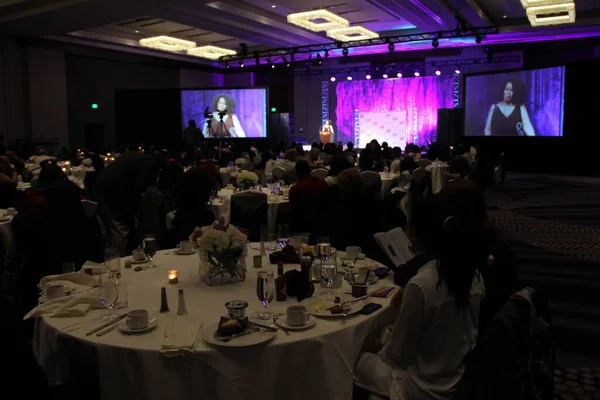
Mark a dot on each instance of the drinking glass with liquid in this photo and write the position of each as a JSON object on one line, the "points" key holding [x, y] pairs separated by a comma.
{"points": [[112, 262], [150, 247]]}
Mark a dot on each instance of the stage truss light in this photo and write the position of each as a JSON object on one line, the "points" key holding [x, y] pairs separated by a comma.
{"points": [[345, 52], [368, 76], [438, 72], [391, 47], [332, 78], [417, 73], [210, 52], [457, 70], [318, 20], [399, 74], [351, 34], [551, 15], [349, 76], [385, 75], [242, 65], [319, 60], [435, 43], [167, 43]]}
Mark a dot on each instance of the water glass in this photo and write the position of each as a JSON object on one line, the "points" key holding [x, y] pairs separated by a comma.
{"points": [[112, 262], [122, 301], [150, 247], [328, 275], [265, 291], [108, 293]]}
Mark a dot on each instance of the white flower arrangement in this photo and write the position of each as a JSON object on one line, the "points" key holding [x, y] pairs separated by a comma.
{"points": [[219, 237], [247, 178]]}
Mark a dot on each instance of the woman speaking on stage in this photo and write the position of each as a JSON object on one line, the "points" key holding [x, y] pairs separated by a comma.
{"points": [[509, 116], [224, 122]]}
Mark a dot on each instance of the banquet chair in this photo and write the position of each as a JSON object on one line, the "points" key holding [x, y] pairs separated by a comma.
{"points": [[249, 211], [423, 162], [257, 160], [240, 161], [418, 175], [34, 183], [279, 172], [291, 177], [327, 159], [371, 183], [90, 208], [320, 173], [247, 166]]}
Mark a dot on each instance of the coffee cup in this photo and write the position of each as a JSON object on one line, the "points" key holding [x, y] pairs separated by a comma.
{"points": [[185, 246], [55, 291], [352, 252], [236, 309], [297, 316], [137, 319], [138, 255]]}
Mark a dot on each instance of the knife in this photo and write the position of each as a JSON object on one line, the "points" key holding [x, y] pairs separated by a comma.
{"points": [[106, 325], [109, 329], [348, 302], [265, 327]]}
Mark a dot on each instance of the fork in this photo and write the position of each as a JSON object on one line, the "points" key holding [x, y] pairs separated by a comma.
{"points": [[229, 338]]}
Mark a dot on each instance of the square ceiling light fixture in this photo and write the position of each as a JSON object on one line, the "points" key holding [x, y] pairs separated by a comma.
{"points": [[351, 33], [167, 43], [210, 52], [317, 20], [537, 3], [555, 14]]}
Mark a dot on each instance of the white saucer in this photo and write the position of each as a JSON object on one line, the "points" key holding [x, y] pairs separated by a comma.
{"points": [[185, 253], [282, 321], [144, 261], [342, 255], [153, 323]]}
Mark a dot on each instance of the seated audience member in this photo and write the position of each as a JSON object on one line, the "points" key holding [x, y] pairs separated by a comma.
{"points": [[305, 197], [365, 162], [49, 174], [289, 161], [434, 151], [8, 183], [337, 165], [159, 200], [193, 208], [438, 319], [395, 157], [412, 150]]}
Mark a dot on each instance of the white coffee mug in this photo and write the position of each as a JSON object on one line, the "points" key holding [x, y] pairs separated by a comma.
{"points": [[352, 252], [297, 316], [185, 246], [138, 255], [137, 319], [55, 291]]}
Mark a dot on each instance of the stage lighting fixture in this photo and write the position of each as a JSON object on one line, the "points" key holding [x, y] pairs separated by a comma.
{"points": [[368, 76], [391, 47], [326, 53], [349, 76], [345, 52], [438, 72], [385, 75], [288, 65], [332, 78], [272, 65], [457, 70], [319, 61], [242, 64], [435, 43], [417, 73], [399, 74]]}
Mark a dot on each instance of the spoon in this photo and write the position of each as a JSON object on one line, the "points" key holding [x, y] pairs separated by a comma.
{"points": [[281, 327]]}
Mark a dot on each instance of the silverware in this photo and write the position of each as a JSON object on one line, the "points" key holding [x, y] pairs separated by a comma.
{"points": [[349, 302], [281, 327], [235, 335], [104, 332], [265, 327], [103, 326]]}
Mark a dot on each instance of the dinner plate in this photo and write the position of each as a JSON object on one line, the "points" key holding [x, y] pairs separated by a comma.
{"points": [[153, 323], [282, 321], [185, 253], [251, 339], [342, 255], [144, 261], [318, 306]]}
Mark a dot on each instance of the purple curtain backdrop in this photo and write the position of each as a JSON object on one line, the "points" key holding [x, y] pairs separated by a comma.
{"points": [[544, 92], [251, 108], [420, 96]]}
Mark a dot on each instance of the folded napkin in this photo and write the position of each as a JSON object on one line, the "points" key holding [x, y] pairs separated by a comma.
{"points": [[76, 280], [97, 268], [179, 339], [76, 305]]}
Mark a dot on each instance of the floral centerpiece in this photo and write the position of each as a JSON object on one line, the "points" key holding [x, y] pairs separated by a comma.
{"points": [[246, 179], [222, 250]]}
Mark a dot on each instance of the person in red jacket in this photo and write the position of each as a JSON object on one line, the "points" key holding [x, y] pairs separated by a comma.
{"points": [[305, 197]]}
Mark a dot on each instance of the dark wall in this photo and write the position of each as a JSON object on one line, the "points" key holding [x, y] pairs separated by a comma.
{"points": [[575, 152]]}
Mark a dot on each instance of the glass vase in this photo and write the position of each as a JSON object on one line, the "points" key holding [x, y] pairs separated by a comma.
{"points": [[222, 267]]}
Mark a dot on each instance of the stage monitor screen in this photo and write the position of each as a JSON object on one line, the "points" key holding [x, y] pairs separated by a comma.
{"points": [[226, 112], [521, 103]]}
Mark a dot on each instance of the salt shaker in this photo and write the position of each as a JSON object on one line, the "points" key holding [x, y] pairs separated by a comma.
{"points": [[181, 308], [263, 252]]}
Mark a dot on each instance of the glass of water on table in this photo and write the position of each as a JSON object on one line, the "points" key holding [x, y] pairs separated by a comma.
{"points": [[150, 247]]}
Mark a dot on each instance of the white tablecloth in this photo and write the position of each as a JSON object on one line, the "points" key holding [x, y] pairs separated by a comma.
{"points": [[313, 364], [222, 208]]}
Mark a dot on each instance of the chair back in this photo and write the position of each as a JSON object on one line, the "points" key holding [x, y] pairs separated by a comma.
{"points": [[257, 160], [240, 161], [34, 183], [247, 166], [320, 173], [291, 177], [473, 164], [327, 159], [249, 211], [90, 208], [423, 162], [371, 182], [279, 172], [418, 175]]}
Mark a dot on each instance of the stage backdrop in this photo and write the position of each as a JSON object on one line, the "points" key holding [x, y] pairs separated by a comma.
{"points": [[250, 108], [418, 98], [543, 99], [384, 126]]}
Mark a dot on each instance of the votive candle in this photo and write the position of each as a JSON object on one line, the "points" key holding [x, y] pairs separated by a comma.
{"points": [[173, 276]]}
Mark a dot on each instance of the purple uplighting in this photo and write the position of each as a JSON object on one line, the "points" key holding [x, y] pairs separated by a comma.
{"points": [[418, 98]]}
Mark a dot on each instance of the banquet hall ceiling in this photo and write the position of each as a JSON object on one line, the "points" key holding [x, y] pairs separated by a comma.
{"points": [[259, 23]]}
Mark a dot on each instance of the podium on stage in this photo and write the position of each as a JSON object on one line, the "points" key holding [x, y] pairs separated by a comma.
{"points": [[325, 136]]}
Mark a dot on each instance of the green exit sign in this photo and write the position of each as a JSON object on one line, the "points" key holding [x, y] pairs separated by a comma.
{"points": [[94, 106], [273, 109]]}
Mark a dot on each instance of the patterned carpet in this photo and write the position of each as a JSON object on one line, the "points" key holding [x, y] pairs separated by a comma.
{"points": [[553, 226]]}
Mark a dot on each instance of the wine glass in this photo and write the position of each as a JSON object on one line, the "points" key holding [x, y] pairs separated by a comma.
{"points": [[112, 262], [328, 275], [149, 245], [265, 290], [108, 293]]}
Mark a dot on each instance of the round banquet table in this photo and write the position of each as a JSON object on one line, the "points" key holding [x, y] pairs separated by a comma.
{"points": [[316, 363]]}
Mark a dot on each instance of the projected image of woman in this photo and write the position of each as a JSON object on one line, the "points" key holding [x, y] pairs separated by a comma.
{"points": [[509, 117], [224, 111]]}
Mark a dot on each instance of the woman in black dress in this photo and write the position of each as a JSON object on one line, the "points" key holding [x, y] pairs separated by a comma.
{"points": [[509, 117]]}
